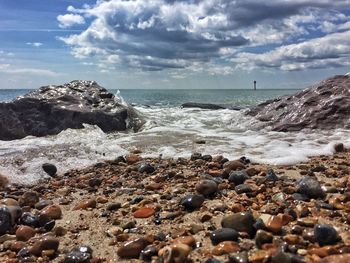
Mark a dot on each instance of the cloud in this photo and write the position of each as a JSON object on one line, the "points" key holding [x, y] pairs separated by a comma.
{"points": [[156, 35], [35, 44], [69, 20], [7, 68]]}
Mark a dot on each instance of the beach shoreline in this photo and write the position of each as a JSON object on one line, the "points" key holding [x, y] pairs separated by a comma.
{"points": [[99, 204]]}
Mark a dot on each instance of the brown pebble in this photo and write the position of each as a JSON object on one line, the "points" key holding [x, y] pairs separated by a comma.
{"points": [[45, 243], [225, 247], [187, 240], [24, 233], [336, 259], [132, 249], [52, 212], [29, 198], [176, 253], [9, 202], [17, 246], [259, 256], [144, 212], [323, 251], [274, 224], [91, 203], [132, 158]]}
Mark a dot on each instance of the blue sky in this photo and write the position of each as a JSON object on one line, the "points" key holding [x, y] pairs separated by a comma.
{"points": [[173, 43]]}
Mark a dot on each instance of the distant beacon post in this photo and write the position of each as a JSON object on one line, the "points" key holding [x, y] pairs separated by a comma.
{"points": [[254, 84]]}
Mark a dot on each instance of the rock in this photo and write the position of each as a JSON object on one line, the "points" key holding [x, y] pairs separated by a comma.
{"points": [[238, 258], [274, 224], [42, 204], [44, 243], [132, 249], [243, 188], [207, 158], [225, 247], [262, 237], [342, 258], [233, 166], [238, 177], [196, 156], [9, 202], [177, 253], [310, 187], [339, 147], [52, 109], [148, 252], [241, 222], [52, 212], [15, 212], [207, 106], [144, 212], [282, 257], [271, 176], [212, 260], [29, 198], [24, 233], [325, 235], [132, 158], [80, 254], [187, 240], [192, 202], [50, 169], [323, 106], [206, 187], [223, 234], [91, 203], [146, 168], [5, 220], [113, 206], [29, 219]]}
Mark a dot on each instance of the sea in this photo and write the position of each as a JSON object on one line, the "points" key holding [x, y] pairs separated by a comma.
{"points": [[170, 131]]}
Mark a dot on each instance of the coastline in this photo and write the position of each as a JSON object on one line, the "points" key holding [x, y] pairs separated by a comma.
{"points": [[98, 206]]}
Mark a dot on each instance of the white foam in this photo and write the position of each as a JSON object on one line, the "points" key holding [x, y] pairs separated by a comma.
{"points": [[169, 132]]}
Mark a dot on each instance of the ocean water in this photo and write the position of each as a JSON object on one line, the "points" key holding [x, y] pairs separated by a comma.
{"points": [[169, 132]]}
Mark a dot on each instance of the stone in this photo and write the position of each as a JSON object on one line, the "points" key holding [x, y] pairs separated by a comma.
{"points": [[5, 220], [274, 224], [91, 203], [148, 252], [225, 247], [44, 243], [132, 249], [323, 106], [15, 212], [132, 158], [271, 175], [243, 188], [29, 198], [176, 253], [42, 204], [192, 202], [282, 257], [238, 177], [187, 240], [52, 109], [341, 258], [79, 254], [262, 237], [326, 235], [9, 202], [310, 187], [196, 156], [50, 169], [146, 168], [113, 206], [223, 234], [238, 258], [207, 187], [144, 212], [241, 222], [339, 147], [24, 233], [29, 219], [233, 166], [52, 212]]}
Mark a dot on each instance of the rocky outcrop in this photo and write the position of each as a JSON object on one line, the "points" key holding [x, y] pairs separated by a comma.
{"points": [[323, 106], [51, 109]]}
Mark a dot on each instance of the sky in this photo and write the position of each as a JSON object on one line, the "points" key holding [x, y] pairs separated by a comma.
{"points": [[173, 44]]}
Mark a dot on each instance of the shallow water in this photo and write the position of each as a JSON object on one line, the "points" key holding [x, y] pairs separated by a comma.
{"points": [[170, 131]]}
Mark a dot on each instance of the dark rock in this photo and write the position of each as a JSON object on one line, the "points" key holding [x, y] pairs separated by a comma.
{"points": [[241, 222], [339, 147], [192, 202], [282, 257], [259, 224], [93, 182], [271, 176], [5, 220], [29, 198], [238, 177], [325, 235], [243, 188], [51, 109], [323, 106], [146, 168], [207, 158], [262, 237], [300, 197], [196, 156], [113, 206], [310, 187], [207, 106], [132, 249], [80, 254], [136, 200], [29, 219], [239, 258], [223, 234], [206, 187], [212, 260], [42, 204], [50, 169], [148, 252]]}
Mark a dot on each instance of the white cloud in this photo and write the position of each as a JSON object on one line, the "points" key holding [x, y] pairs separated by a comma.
{"points": [[69, 20], [35, 44], [7, 68]]}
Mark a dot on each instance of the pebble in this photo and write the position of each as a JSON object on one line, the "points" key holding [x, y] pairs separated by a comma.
{"points": [[42, 204], [187, 240], [132, 158], [44, 243], [196, 156], [146, 168], [223, 234], [238, 177], [225, 247], [5, 220], [91, 203], [262, 237], [232, 166], [144, 212], [9, 202], [50, 169], [325, 235], [310, 187], [241, 222], [342, 258], [29, 220], [148, 252], [176, 253], [274, 224], [239, 258], [192, 202], [24, 233], [52, 212], [132, 249], [271, 176], [113, 206], [207, 187], [243, 188], [29, 198], [80, 254]]}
